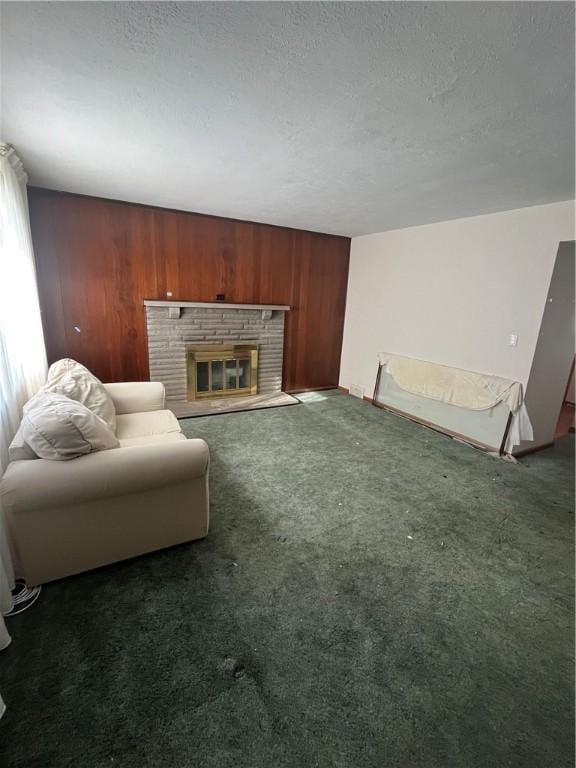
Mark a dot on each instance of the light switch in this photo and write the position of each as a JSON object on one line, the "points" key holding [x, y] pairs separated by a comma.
{"points": [[513, 339]]}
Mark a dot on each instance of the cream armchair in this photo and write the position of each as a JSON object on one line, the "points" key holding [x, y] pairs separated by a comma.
{"points": [[66, 517]]}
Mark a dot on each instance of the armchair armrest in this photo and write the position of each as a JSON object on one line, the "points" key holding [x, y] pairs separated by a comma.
{"points": [[43, 484], [137, 396]]}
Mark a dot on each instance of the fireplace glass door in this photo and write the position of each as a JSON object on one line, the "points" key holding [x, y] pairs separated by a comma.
{"points": [[222, 369]]}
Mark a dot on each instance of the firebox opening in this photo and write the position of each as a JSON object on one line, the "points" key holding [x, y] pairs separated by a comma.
{"points": [[222, 370]]}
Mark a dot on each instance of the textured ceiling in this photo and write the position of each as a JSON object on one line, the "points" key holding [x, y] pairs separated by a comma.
{"points": [[339, 117]]}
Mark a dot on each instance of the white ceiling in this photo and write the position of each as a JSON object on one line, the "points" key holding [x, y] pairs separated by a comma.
{"points": [[339, 117]]}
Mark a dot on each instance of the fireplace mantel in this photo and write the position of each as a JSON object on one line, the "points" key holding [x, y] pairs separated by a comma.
{"points": [[176, 306], [214, 304]]}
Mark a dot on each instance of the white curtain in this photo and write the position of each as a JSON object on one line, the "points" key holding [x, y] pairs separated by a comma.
{"points": [[22, 353]]}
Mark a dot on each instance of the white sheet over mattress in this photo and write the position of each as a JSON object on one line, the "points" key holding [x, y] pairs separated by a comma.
{"points": [[465, 389]]}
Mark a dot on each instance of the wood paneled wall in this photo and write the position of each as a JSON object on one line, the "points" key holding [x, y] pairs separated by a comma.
{"points": [[97, 261]]}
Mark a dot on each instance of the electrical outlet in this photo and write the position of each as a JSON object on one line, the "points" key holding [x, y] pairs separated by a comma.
{"points": [[356, 390], [513, 339]]}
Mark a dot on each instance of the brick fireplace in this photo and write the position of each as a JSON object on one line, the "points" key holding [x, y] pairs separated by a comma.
{"points": [[176, 327]]}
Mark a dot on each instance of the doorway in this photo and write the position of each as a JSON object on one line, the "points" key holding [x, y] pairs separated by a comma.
{"points": [[565, 423]]}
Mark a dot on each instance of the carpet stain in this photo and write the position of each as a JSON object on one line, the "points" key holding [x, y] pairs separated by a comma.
{"points": [[371, 595]]}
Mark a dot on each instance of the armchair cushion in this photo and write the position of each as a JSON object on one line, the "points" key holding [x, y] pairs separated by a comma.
{"points": [[136, 396], [169, 437], [18, 450], [146, 424]]}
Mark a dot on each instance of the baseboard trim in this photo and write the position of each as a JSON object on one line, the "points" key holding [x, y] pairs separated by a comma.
{"points": [[346, 391], [532, 449]]}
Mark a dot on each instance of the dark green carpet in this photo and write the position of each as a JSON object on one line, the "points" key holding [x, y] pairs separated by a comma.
{"points": [[370, 594]]}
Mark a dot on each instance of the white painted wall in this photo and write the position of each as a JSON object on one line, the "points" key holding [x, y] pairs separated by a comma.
{"points": [[453, 292]]}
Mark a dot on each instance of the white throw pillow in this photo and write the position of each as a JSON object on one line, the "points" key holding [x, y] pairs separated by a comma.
{"points": [[72, 379], [58, 428]]}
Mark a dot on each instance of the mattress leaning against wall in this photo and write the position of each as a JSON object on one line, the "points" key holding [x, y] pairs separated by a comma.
{"points": [[427, 392]]}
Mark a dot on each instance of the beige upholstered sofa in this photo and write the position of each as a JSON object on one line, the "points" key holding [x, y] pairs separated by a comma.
{"points": [[66, 517]]}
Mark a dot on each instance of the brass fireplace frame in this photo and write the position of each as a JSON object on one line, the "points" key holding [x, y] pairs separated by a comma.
{"points": [[223, 353]]}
